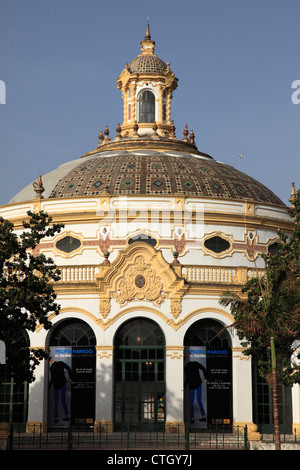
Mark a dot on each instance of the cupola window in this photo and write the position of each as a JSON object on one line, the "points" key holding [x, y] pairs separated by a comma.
{"points": [[217, 244], [146, 106]]}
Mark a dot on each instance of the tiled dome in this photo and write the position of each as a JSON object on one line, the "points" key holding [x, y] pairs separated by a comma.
{"points": [[147, 64], [153, 173]]}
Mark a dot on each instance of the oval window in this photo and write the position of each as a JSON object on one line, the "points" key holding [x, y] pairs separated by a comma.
{"points": [[68, 244], [217, 244], [273, 249]]}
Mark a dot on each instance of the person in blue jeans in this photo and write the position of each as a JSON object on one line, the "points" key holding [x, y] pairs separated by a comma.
{"points": [[193, 380]]}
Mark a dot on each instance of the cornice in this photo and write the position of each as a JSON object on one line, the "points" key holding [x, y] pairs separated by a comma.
{"points": [[217, 218]]}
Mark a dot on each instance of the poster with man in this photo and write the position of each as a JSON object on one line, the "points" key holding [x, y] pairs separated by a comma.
{"points": [[208, 386], [195, 382], [60, 379], [72, 375]]}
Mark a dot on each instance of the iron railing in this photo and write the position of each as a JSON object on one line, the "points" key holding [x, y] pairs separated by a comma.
{"points": [[129, 437]]}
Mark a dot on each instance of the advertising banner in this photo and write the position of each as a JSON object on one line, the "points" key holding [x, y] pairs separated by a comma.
{"points": [[71, 385], [195, 384], [208, 386], [83, 385], [60, 379], [219, 401]]}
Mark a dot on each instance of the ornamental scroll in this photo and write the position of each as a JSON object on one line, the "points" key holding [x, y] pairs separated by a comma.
{"points": [[140, 282]]}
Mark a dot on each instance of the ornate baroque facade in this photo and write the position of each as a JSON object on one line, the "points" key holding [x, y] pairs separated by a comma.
{"points": [[155, 232]]}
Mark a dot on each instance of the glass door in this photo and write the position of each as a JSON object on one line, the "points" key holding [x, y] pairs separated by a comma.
{"points": [[139, 376]]}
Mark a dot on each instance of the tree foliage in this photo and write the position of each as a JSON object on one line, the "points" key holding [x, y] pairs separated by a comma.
{"points": [[27, 293], [269, 307]]}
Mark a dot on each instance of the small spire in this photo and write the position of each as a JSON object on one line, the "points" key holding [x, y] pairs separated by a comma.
{"points": [[147, 45], [148, 35]]}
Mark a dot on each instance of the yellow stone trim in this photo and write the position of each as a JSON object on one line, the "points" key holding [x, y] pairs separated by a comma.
{"points": [[213, 218], [253, 434], [103, 426], [175, 427], [296, 428], [202, 310], [36, 426], [104, 352], [223, 254], [175, 352], [110, 321], [117, 280], [69, 310], [61, 236]]}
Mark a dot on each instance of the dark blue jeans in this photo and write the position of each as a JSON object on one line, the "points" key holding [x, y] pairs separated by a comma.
{"points": [[198, 391]]}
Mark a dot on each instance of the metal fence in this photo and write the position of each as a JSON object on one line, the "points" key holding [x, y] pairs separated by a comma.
{"points": [[129, 437]]}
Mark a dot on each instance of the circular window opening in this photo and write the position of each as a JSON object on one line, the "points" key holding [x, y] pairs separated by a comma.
{"points": [[68, 244], [217, 244]]}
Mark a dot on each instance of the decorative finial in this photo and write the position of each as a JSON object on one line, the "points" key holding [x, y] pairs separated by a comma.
{"points": [[106, 132], [38, 187], [154, 128], [118, 130], [192, 137], [185, 133], [293, 194], [135, 129], [172, 130], [101, 136]]}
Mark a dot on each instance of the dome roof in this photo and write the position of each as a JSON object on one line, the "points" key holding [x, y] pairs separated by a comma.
{"points": [[147, 64], [148, 164], [149, 172], [153, 173], [147, 61]]}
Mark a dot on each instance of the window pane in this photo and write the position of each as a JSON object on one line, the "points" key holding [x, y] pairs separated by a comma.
{"points": [[146, 106]]}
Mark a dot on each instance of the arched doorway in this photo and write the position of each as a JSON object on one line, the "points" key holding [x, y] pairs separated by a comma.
{"points": [[208, 375], [72, 374], [139, 365]]}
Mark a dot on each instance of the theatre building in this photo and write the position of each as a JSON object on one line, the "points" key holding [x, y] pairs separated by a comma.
{"points": [[154, 232]]}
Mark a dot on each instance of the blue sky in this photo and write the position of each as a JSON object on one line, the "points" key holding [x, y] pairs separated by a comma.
{"points": [[235, 60]]}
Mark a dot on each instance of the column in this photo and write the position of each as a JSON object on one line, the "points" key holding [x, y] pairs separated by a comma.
{"points": [[38, 400], [296, 407], [242, 392], [104, 389], [174, 389], [241, 387]]}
